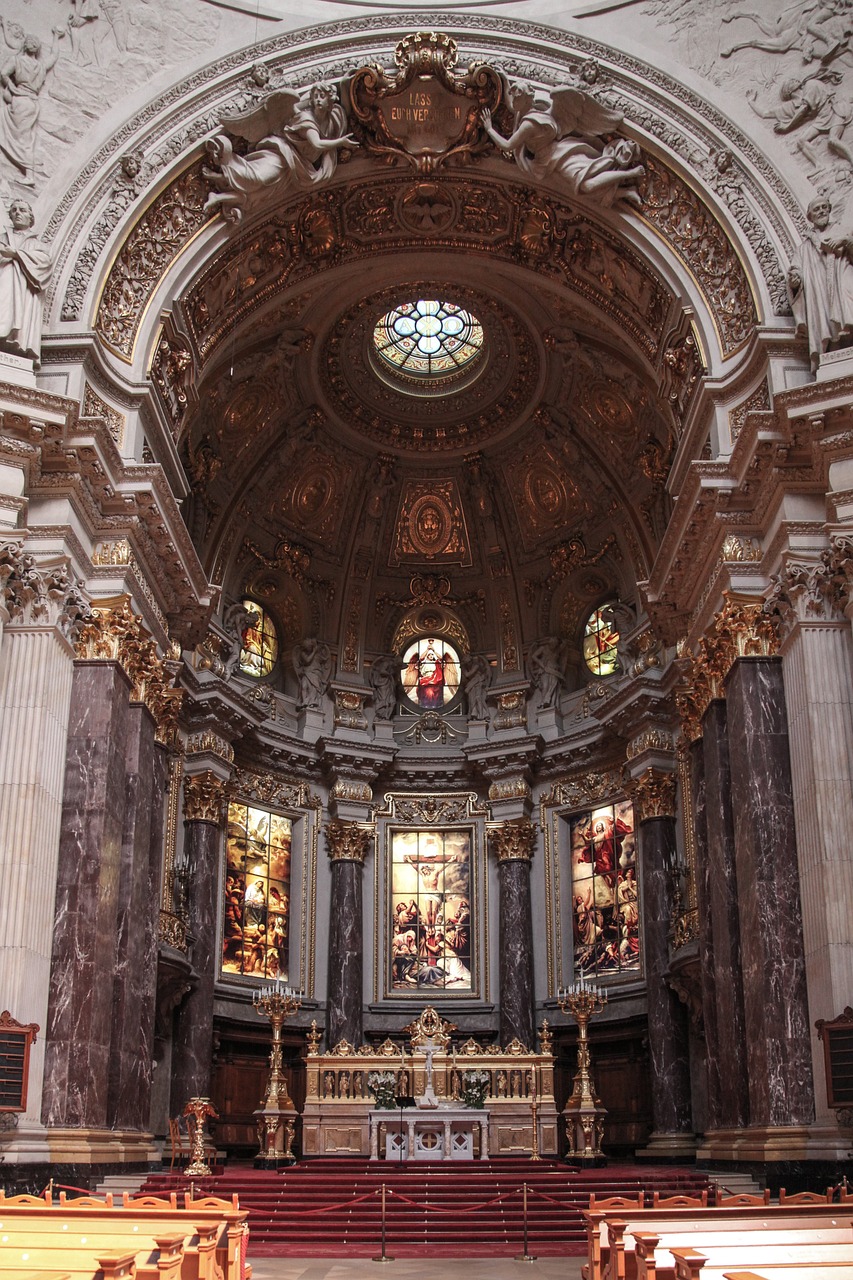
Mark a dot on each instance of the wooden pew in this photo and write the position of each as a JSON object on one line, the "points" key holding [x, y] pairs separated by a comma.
{"points": [[691, 1264], [202, 1240], [655, 1255]]}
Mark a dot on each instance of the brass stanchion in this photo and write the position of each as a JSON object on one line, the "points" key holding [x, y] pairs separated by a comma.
{"points": [[526, 1256], [534, 1109], [383, 1257]]}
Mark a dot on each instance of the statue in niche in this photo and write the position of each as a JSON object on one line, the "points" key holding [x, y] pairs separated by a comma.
{"points": [[22, 79], [238, 620], [547, 661], [476, 675], [820, 282], [312, 662], [296, 138], [26, 265], [383, 682], [557, 134]]}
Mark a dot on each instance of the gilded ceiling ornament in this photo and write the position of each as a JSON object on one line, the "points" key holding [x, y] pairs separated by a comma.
{"points": [[653, 794], [167, 225], [204, 798], [431, 524], [349, 841], [514, 841], [424, 113], [427, 207], [172, 375]]}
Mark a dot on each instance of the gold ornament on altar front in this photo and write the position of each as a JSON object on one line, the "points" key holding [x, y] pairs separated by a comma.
{"points": [[514, 841], [430, 1027], [653, 794], [204, 797], [583, 1112]]}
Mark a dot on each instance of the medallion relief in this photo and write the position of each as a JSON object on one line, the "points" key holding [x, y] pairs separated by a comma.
{"points": [[431, 525]]}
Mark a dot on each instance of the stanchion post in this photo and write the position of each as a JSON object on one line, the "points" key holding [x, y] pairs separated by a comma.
{"points": [[383, 1257], [526, 1256]]}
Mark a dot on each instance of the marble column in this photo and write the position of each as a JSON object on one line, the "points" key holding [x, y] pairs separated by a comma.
{"points": [[35, 696], [722, 908], [138, 911], [713, 1050], [778, 1035], [192, 1045], [80, 1014], [513, 843], [654, 811], [348, 846]]}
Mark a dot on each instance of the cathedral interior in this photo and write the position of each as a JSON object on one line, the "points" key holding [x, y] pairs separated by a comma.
{"points": [[426, 548]]}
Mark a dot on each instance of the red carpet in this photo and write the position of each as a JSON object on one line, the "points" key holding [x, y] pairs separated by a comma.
{"points": [[333, 1208]]}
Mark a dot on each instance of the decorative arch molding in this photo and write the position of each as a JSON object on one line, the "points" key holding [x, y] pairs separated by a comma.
{"points": [[752, 214]]}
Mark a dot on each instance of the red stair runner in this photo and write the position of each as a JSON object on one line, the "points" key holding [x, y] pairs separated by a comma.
{"points": [[332, 1208]]}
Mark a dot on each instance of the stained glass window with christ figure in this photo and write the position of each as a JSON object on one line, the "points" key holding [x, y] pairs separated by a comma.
{"points": [[431, 910], [256, 917], [259, 650], [605, 893], [599, 645], [430, 674]]}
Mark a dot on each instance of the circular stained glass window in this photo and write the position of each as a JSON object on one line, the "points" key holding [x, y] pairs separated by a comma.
{"points": [[428, 339], [599, 644], [430, 673]]}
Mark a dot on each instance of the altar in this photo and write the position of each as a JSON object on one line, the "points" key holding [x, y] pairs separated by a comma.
{"points": [[439, 1133]]}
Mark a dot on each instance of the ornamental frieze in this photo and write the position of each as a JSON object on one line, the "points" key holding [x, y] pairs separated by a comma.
{"points": [[269, 789]]}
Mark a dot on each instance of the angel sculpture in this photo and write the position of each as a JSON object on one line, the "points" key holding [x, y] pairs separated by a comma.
{"points": [[558, 133], [296, 139]]}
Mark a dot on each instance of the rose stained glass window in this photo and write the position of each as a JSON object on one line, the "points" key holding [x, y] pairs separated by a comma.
{"points": [[605, 893], [259, 650], [428, 338], [256, 917], [599, 645], [431, 910], [430, 674]]}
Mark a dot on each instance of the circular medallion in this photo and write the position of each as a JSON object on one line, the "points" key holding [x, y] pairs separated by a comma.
{"points": [[430, 525]]}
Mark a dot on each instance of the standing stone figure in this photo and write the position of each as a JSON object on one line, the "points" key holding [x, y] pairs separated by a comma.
{"points": [[820, 281], [312, 662], [22, 79], [383, 682], [547, 659], [25, 269], [476, 674]]}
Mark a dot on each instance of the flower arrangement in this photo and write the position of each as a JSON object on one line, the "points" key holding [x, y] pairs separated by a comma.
{"points": [[475, 1087], [383, 1086]]}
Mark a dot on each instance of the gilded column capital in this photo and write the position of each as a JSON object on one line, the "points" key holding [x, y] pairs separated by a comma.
{"points": [[41, 593], [204, 797], [349, 841], [653, 794], [514, 841]]}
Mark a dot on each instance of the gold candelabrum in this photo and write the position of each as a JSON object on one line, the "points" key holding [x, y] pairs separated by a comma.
{"points": [[583, 1112], [196, 1111], [276, 1117]]}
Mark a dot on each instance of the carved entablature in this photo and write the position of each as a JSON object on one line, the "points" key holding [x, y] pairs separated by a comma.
{"points": [[586, 790], [431, 810], [653, 794], [424, 114]]}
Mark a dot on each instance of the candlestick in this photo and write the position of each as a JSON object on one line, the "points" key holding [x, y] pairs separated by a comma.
{"points": [[275, 1126], [583, 1112]]}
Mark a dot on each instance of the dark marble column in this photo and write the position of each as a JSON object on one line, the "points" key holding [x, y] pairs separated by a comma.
{"points": [[706, 939], [80, 1011], [348, 846], [513, 843], [771, 934], [133, 989], [192, 1045], [722, 907], [654, 806]]}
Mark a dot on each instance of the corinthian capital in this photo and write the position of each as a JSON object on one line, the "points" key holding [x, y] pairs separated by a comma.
{"points": [[514, 841], [41, 594], [204, 797], [349, 841], [805, 591], [653, 794]]}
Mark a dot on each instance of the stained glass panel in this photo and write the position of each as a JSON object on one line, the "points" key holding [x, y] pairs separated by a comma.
{"points": [[428, 338], [599, 645], [257, 893], [430, 674], [431, 910], [260, 642], [605, 894]]}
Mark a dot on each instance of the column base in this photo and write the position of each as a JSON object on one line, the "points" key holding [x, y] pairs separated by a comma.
{"points": [[677, 1148], [40, 1145], [774, 1145]]}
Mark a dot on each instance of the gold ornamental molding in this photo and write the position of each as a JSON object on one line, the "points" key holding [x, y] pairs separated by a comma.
{"points": [[517, 788], [209, 743], [653, 739], [514, 841], [653, 794], [349, 841], [204, 797], [116, 634]]}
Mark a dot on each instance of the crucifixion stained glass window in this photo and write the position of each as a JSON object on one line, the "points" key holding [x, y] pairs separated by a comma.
{"points": [[431, 910]]}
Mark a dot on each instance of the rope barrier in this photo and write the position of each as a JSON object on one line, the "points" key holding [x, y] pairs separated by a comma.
{"points": [[438, 1208]]}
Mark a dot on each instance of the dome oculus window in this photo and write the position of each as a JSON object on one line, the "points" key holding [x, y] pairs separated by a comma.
{"points": [[427, 339], [599, 644], [259, 650], [430, 674]]}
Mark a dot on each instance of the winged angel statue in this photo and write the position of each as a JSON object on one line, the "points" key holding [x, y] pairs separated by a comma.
{"points": [[557, 134], [296, 138]]}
